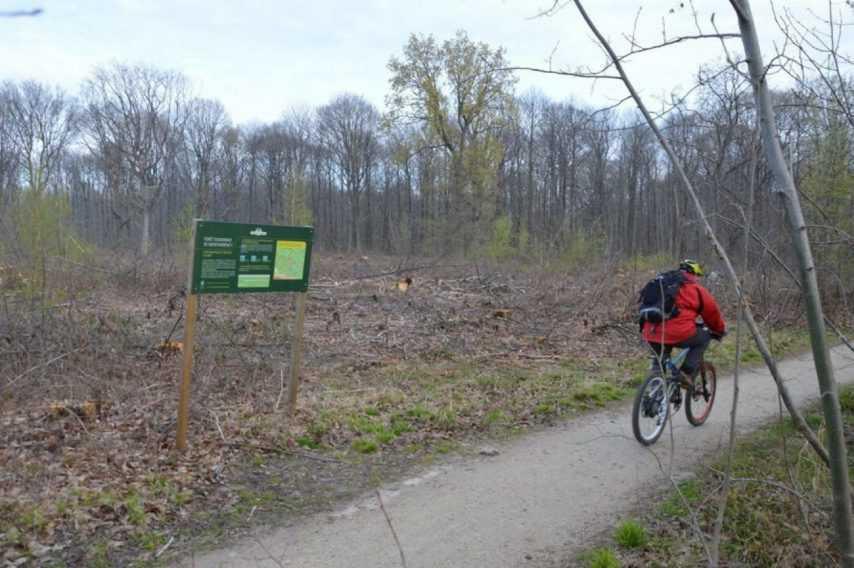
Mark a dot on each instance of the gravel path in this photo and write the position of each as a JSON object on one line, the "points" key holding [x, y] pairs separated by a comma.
{"points": [[540, 498]]}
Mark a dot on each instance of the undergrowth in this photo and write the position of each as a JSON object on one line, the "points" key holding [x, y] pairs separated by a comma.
{"points": [[778, 509]]}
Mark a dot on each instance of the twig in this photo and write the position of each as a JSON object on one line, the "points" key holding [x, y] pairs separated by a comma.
{"points": [[218, 427], [391, 526], [281, 389], [164, 547], [40, 365]]}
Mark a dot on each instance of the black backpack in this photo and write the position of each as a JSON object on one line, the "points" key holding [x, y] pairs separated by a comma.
{"points": [[658, 297]]}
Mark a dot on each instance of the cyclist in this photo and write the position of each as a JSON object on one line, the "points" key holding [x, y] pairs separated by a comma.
{"points": [[692, 301]]}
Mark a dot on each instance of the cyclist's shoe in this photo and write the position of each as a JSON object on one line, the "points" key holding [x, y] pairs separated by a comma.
{"points": [[676, 399], [686, 380]]}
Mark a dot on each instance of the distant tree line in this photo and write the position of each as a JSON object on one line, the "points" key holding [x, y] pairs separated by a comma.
{"points": [[458, 162]]}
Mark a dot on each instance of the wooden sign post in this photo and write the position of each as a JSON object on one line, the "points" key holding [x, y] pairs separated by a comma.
{"points": [[235, 258], [296, 354]]}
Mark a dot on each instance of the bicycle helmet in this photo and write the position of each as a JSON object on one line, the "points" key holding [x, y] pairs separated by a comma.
{"points": [[691, 266]]}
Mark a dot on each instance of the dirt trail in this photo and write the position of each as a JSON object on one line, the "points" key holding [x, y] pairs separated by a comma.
{"points": [[540, 498]]}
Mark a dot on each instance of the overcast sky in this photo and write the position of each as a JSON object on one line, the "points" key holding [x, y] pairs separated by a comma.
{"points": [[262, 57]]}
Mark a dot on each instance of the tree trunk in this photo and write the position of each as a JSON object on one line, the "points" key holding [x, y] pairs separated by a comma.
{"points": [[146, 229], [795, 217]]}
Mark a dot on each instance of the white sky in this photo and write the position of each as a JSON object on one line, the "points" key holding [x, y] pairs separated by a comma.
{"points": [[262, 57]]}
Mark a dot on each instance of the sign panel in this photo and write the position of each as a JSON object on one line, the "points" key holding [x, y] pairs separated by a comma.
{"points": [[231, 258]]}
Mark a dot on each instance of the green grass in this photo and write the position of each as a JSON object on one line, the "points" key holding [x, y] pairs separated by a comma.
{"points": [[630, 534], [675, 505], [764, 525], [602, 558], [365, 446]]}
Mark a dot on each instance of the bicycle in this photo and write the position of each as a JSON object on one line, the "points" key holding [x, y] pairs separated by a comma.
{"points": [[661, 389]]}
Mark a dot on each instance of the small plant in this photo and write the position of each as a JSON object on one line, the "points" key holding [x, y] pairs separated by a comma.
{"points": [[364, 446], [419, 412], [150, 540], [385, 436], [307, 442], [495, 417], [630, 534], [99, 555], [135, 509], [602, 558], [674, 506], [846, 400]]}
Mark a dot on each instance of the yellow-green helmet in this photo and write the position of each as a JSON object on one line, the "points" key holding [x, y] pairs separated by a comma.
{"points": [[692, 266]]}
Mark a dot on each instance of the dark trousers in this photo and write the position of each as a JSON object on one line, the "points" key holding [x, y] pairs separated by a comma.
{"points": [[697, 346]]}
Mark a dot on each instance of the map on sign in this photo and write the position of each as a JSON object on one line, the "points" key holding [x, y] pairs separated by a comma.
{"points": [[290, 260], [231, 258]]}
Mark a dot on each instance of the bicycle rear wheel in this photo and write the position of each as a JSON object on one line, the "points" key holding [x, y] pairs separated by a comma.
{"points": [[651, 410], [701, 397]]}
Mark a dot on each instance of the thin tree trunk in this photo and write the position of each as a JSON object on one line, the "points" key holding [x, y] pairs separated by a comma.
{"points": [[748, 221], [146, 229], [815, 316]]}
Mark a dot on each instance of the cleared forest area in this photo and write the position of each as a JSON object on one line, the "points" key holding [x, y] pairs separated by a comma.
{"points": [[404, 360]]}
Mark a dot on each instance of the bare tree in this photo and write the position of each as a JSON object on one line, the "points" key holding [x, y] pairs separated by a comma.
{"points": [[42, 121], [137, 114], [347, 128], [206, 120]]}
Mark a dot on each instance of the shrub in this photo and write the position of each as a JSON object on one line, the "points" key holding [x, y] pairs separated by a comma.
{"points": [[630, 534]]}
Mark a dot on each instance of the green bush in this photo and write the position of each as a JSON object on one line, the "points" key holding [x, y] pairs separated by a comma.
{"points": [[630, 534], [41, 227], [500, 245], [581, 249]]}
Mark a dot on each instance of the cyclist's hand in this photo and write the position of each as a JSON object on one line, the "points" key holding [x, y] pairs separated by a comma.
{"points": [[717, 336]]}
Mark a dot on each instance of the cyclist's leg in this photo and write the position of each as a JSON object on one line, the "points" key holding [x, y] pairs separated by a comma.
{"points": [[697, 346], [661, 352]]}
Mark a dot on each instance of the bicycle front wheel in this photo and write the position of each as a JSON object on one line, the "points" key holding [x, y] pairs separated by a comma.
{"points": [[701, 397], [651, 410]]}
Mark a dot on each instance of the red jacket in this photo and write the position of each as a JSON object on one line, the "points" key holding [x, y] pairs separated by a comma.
{"points": [[692, 300]]}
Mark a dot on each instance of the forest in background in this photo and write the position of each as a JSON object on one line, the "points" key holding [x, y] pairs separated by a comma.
{"points": [[458, 163]]}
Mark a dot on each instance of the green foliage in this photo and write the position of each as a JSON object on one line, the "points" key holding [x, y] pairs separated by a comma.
{"points": [[580, 250], [307, 442], [41, 224], [501, 245], [630, 534], [846, 400], [675, 505], [183, 223], [135, 509], [602, 558], [297, 206]]}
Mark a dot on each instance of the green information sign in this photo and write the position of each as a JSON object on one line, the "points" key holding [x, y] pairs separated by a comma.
{"points": [[231, 258]]}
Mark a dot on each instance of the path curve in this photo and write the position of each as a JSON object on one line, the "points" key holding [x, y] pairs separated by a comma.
{"points": [[543, 496]]}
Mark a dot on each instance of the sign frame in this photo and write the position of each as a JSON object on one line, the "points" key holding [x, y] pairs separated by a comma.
{"points": [[223, 251], [240, 258]]}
